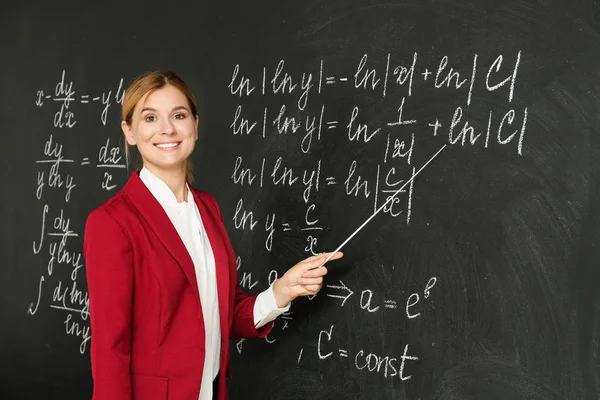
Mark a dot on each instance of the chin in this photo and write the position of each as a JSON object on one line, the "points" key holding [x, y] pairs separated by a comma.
{"points": [[163, 165]]}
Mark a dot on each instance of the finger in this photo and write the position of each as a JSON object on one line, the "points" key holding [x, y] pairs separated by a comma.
{"points": [[312, 259], [310, 281], [313, 289], [313, 263], [319, 262], [314, 273], [337, 255]]}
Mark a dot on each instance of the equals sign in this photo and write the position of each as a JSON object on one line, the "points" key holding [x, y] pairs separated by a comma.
{"points": [[85, 161], [286, 227], [287, 315], [332, 124], [343, 353], [330, 180], [85, 98], [389, 304], [330, 80]]}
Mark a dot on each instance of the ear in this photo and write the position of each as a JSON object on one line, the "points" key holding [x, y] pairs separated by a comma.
{"points": [[128, 133], [196, 128]]}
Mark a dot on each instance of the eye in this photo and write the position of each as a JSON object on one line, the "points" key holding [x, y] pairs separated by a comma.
{"points": [[179, 116], [150, 118]]}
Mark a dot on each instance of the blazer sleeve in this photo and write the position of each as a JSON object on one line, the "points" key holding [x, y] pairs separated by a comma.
{"points": [[109, 272], [243, 309]]}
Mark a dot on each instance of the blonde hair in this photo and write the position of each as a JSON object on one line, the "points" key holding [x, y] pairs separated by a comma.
{"points": [[148, 83]]}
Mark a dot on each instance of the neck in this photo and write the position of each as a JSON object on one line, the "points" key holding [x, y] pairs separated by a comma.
{"points": [[174, 179]]}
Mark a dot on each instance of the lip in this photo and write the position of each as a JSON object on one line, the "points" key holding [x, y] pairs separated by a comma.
{"points": [[167, 148]]}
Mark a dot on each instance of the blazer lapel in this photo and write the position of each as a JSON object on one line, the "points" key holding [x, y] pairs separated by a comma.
{"points": [[160, 223], [217, 242]]}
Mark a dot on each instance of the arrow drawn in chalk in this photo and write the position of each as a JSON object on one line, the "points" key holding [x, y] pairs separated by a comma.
{"points": [[340, 287]]}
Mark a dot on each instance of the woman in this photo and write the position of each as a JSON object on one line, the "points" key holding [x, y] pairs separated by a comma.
{"points": [[164, 295]]}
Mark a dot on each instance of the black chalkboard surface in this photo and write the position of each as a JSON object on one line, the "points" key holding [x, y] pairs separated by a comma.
{"points": [[476, 281]]}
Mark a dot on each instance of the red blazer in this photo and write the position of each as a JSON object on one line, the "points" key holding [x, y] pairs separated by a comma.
{"points": [[145, 314]]}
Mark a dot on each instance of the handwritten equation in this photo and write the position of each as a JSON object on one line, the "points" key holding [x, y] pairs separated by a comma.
{"points": [[272, 104], [497, 76], [396, 138], [59, 173]]}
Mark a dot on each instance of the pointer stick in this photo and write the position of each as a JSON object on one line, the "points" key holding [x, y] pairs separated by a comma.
{"points": [[384, 204]]}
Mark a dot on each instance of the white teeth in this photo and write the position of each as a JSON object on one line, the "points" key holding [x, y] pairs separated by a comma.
{"points": [[166, 145]]}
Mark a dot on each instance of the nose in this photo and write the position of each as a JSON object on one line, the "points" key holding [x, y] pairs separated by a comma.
{"points": [[167, 127]]}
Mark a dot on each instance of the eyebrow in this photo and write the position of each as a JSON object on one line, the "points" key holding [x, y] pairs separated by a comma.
{"points": [[173, 109]]}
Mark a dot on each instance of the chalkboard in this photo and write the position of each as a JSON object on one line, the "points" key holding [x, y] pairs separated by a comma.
{"points": [[476, 281]]}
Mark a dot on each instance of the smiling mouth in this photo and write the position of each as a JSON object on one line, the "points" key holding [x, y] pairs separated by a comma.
{"points": [[167, 146]]}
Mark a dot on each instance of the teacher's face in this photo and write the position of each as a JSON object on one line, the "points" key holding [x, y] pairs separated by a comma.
{"points": [[163, 129]]}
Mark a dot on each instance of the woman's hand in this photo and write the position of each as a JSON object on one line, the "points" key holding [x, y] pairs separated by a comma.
{"points": [[303, 279]]}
